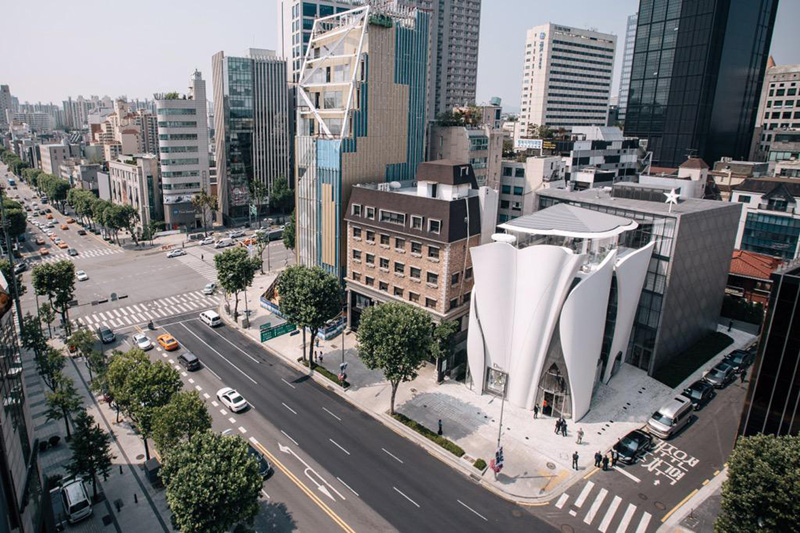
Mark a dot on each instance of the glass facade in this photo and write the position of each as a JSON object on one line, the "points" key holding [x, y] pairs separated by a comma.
{"points": [[771, 234], [239, 120], [696, 76]]}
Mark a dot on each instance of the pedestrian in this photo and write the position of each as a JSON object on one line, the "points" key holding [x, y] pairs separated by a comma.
{"points": [[563, 427], [202, 258], [614, 457], [730, 325], [575, 460], [544, 408], [741, 376], [605, 462], [580, 435], [597, 458], [536, 411], [558, 426], [320, 356], [440, 427]]}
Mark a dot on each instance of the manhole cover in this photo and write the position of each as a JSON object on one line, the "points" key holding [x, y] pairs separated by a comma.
{"points": [[566, 528], [516, 513], [139, 457], [551, 466], [660, 506], [642, 496]]}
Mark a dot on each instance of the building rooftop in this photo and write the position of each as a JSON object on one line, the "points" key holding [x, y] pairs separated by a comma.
{"points": [[447, 172], [765, 185], [570, 221], [753, 265], [694, 163]]}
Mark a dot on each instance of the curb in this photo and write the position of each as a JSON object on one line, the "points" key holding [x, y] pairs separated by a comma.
{"points": [[400, 429]]}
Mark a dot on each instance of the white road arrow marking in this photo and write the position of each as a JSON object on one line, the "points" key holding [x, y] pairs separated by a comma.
{"points": [[319, 482], [656, 482]]}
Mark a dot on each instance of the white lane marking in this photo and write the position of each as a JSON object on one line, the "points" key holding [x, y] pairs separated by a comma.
{"points": [[231, 420], [473, 510], [265, 494], [289, 408], [598, 501], [164, 355], [626, 519], [346, 485], [210, 370], [224, 412], [333, 415], [214, 403], [584, 493], [612, 509], [229, 342], [184, 374], [573, 513], [644, 523], [624, 473], [562, 500], [241, 428], [199, 388], [339, 446], [172, 361], [206, 395], [292, 386], [290, 438], [219, 354], [177, 367], [191, 380], [392, 455], [406, 497]]}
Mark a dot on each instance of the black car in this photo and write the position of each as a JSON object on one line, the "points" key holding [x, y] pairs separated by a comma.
{"points": [[106, 336], [740, 359], [633, 446], [700, 393], [264, 468], [189, 361]]}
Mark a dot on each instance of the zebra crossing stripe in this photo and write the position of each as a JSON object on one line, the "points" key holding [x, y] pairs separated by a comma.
{"points": [[562, 500], [626, 518], [644, 523], [584, 494], [127, 320], [612, 510]]}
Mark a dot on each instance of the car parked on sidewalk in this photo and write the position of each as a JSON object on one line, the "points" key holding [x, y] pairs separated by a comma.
{"points": [[20, 267], [633, 446], [231, 399], [740, 360], [142, 342], [720, 375], [168, 342], [699, 393]]}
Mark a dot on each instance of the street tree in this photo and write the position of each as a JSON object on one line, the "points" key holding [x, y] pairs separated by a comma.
{"points": [[91, 450], [258, 193], [99, 208], [761, 491], [82, 342], [281, 197], [128, 220], [395, 338], [150, 229], [97, 363], [32, 338], [56, 281], [204, 204], [184, 416], [15, 215], [309, 298], [63, 401], [149, 387], [122, 364], [235, 272], [50, 365], [289, 233], [5, 268], [211, 460], [47, 314]]}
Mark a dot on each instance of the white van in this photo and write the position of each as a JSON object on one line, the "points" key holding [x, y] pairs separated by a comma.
{"points": [[76, 500], [211, 318], [223, 243]]}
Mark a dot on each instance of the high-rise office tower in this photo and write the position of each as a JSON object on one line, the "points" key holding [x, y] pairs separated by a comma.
{"points": [[627, 63], [251, 125], [183, 151], [6, 105], [696, 77], [778, 108], [566, 79], [360, 118]]}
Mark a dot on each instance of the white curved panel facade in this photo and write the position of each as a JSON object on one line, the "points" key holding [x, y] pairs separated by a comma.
{"points": [[583, 319], [631, 271]]}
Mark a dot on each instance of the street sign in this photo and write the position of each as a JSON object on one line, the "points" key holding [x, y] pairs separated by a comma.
{"points": [[277, 331], [265, 326]]}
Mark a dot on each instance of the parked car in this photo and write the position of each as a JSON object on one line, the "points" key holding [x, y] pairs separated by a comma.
{"points": [[189, 361], [699, 393], [720, 375], [81, 275], [207, 241], [671, 418], [235, 234], [106, 336], [209, 288], [142, 342], [633, 446], [223, 243], [76, 500], [81, 231], [176, 253], [168, 342], [231, 399], [740, 360]]}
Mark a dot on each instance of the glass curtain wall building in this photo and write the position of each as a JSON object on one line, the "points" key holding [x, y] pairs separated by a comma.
{"points": [[696, 76], [627, 63]]}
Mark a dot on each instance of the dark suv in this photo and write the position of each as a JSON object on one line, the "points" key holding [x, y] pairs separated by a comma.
{"points": [[633, 446], [740, 359], [106, 336], [699, 393], [189, 361]]}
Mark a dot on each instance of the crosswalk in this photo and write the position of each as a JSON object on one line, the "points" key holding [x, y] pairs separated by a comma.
{"points": [[83, 254], [144, 312], [596, 500], [205, 267]]}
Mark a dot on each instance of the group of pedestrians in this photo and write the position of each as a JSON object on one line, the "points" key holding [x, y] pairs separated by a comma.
{"points": [[600, 460], [561, 427]]}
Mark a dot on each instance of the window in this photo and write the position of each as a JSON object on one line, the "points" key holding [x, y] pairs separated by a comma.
{"points": [[370, 212], [393, 218], [743, 198], [384, 263], [370, 259], [309, 9], [356, 276], [398, 292], [413, 297], [432, 278], [505, 204], [370, 236], [357, 255], [434, 226], [454, 278], [399, 244], [468, 273], [416, 222], [416, 248], [382, 285], [415, 273], [518, 191], [370, 281], [453, 303], [384, 239], [433, 252], [399, 268], [356, 210], [357, 233], [467, 296], [430, 303], [506, 189]]}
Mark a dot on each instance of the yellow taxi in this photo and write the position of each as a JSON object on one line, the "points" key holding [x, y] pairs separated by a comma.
{"points": [[49, 216], [63, 245], [70, 220], [168, 342], [64, 227], [44, 251]]}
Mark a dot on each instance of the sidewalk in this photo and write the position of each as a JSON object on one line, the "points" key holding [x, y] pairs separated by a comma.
{"points": [[127, 501], [538, 463]]}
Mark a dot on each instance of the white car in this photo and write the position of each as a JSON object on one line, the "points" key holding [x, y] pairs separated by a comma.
{"points": [[207, 241], [209, 288], [82, 276], [176, 253], [142, 342], [235, 234], [231, 399]]}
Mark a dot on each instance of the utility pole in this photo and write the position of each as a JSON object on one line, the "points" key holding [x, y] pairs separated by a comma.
{"points": [[13, 281]]}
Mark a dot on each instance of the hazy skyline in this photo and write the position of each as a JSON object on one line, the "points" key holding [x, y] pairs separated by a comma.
{"points": [[90, 47]]}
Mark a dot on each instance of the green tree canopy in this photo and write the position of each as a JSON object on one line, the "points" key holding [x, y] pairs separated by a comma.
{"points": [[395, 338], [211, 483], [281, 197], [149, 387], [184, 416], [32, 337], [63, 401], [56, 281], [50, 365], [235, 272], [289, 233], [122, 364], [91, 450], [17, 219], [205, 203], [309, 297], [763, 485]]}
